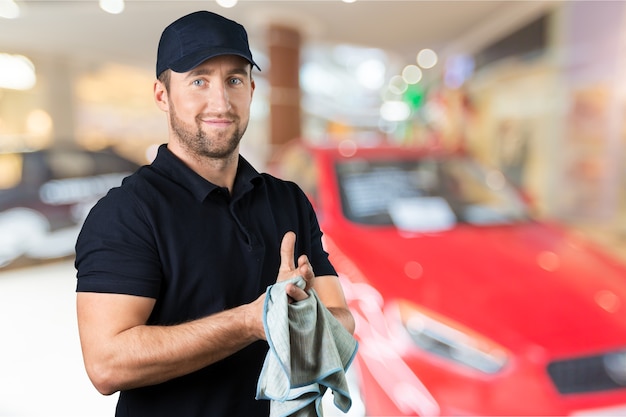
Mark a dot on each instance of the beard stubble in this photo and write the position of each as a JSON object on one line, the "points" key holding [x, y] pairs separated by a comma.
{"points": [[220, 146]]}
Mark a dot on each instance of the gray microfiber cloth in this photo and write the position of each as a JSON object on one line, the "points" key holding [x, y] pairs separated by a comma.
{"points": [[309, 352]]}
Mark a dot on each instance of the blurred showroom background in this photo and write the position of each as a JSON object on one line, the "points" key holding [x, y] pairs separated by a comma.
{"points": [[534, 88]]}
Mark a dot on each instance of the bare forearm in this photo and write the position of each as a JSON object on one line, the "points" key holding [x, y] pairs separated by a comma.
{"points": [[343, 316], [330, 293], [145, 355]]}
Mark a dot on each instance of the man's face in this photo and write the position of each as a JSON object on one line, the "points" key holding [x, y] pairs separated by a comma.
{"points": [[209, 106]]}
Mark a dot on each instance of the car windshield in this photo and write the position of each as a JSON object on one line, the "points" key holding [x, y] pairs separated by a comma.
{"points": [[426, 194]]}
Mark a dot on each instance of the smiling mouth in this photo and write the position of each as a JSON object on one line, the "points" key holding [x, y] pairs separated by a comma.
{"points": [[216, 123], [217, 120]]}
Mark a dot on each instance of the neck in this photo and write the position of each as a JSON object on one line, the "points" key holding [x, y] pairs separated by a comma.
{"points": [[219, 171]]}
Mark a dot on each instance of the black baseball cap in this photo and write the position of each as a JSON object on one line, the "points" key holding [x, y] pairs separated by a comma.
{"points": [[196, 37]]}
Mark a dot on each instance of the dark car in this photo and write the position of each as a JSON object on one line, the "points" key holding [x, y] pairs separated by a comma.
{"points": [[465, 304], [45, 196]]}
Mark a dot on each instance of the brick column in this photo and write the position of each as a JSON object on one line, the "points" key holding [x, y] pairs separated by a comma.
{"points": [[284, 55]]}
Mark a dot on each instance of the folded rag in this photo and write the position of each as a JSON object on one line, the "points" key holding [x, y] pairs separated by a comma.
{"points": [[309, 352]]}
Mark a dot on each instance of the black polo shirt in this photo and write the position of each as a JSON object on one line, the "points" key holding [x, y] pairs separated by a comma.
{"points": [[168, 234]]}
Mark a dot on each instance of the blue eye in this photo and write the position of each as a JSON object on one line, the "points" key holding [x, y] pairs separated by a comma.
{"points": [[198, 82]]}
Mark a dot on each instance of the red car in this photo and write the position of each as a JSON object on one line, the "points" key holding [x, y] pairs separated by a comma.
{"points": [[465, 305]]}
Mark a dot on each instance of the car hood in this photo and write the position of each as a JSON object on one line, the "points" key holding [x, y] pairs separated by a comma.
{"points": [[524, 286]]}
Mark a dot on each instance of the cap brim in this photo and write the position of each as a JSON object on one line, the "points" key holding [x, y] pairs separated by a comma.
{"points": [[189, 62]]}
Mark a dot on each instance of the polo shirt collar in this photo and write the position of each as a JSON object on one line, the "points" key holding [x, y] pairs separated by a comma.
{"points": [[168, 163]]}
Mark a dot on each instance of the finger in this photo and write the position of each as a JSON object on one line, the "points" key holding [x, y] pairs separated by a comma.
{"points": [[295, 293], [305, 269], [287, 249]]}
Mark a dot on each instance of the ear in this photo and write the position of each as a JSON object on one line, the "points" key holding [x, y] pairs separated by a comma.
{"points": [[160, 95]]}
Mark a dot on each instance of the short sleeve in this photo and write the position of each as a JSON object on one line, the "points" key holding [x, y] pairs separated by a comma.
{"points": [[116, 250], [314, 247]]}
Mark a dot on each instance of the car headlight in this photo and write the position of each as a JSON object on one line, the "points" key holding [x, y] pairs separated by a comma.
{"points": [[615, 366], [450, 340]]}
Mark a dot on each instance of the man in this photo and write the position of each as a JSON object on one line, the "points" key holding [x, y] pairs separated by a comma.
{"points": [[173, 265]]}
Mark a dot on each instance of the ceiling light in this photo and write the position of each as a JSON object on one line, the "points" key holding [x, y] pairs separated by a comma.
{"points": [[427, 58], [9, 9], [16, 72], [397, 85], [412, 74], [226, 3], [112, 6]]}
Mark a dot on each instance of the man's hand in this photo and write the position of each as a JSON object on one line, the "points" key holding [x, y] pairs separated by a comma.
{"points": [[288, 269]]}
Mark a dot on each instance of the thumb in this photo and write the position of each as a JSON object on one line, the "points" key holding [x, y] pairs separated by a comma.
{"points": [[287, 249]]}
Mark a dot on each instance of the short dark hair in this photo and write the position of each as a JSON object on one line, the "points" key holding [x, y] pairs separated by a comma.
{"points": [[164, 77]]}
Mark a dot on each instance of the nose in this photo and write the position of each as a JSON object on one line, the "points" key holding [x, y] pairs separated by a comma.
{"points": [[218, 99]]}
